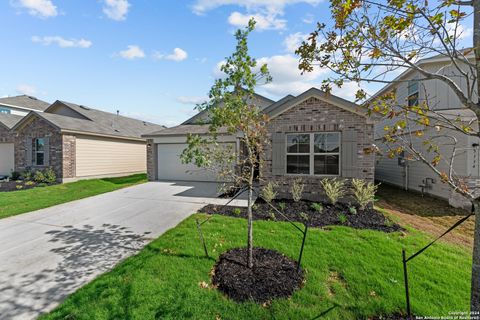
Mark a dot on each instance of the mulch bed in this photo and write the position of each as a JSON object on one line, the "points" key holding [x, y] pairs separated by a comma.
{"points": [[273, 275], [363, 219], [12, 185]]}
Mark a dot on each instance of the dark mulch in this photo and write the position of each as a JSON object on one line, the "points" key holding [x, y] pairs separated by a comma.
{"points": [[12, 185], [330, 215], [273, 275]]}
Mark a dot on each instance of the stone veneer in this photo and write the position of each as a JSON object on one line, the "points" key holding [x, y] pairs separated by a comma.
{"points": [[6, 136], [151, 165], [61, 148], [314, 115]]}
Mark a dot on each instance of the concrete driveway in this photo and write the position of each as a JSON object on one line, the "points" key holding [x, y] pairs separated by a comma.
{"points": [[47, 254]]}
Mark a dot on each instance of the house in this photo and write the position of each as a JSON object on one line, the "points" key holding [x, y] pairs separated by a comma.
{"points": [[313, 136], [22, 105], [7, 142], [404, 171], [77, 142]]}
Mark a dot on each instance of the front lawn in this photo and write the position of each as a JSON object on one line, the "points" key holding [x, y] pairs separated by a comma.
{"points": [[350, 274], [17, 202]]}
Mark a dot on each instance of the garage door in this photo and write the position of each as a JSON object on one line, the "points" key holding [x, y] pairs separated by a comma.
{"points": [[170, 165], [7, 158]]}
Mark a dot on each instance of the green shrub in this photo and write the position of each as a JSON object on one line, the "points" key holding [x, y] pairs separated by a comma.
{"points": [[272, 215], [19, 187], [268, 192], [342, 218], [38, 176], [15, 175], [334, 189], [297, 189], [352, 210], [237, 211], [29, 183], [282, 206], [304, 216], [27, 175], [317, 207], [364, 192], [50, 176]]}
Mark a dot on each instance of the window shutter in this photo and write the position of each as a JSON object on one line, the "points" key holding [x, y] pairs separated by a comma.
{"points": [[349, 154], [28, 152], [46, 151], [278, 153]]}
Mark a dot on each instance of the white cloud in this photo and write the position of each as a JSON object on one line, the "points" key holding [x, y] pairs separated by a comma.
{"points": [[177, 55], [62, 42], [202, 6], [192, 99], [40, 8], [287, 78], [132, 52], [293, 41], [268, 21], [308, 19], [116, 9], [26, 89]]}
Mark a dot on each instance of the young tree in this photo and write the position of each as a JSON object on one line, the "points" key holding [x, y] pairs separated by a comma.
{"points": [[232, 109], [372, 41]]}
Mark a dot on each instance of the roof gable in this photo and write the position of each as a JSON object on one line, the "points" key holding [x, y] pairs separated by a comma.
{"points": [[9, 120]]}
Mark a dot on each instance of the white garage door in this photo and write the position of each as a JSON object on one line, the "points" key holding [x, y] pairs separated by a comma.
{"points": [[170, 165], [7, 158]]}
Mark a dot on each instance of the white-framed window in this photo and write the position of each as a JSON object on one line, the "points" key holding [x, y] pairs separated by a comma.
{"points": [[38, 148], [413, 92], [315, 153]]}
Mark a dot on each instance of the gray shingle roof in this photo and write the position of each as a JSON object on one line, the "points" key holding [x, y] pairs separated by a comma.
{"points": [[100, 122], [9, 120], [25, 101], [184, 129]]}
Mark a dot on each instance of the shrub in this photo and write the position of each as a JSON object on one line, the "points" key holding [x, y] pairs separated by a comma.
{"points": [[29, 183], [15, 175], [352, 210], [272, 215], [297, 189], [27, 175], [304, 216], [334, 189], [50, 176], [268, 192], [364, 192], [19, 187], [342, 218], [237, 211], [317, 207], [38, 176], [282, 206]]}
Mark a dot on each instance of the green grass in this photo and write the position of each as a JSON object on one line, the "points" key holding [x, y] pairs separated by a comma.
{"points": [[351, 274], [17, 202]]}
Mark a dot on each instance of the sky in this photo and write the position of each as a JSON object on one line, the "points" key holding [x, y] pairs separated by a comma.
{"points": [[149, 59]]}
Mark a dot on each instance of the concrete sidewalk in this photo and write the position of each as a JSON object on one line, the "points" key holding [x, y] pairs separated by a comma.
{"points": [[47, 254]]}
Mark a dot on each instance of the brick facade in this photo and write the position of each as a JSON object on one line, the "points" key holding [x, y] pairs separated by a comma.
{"points": [[314, 115], [151, 165], [6, 136], [61, 148]]}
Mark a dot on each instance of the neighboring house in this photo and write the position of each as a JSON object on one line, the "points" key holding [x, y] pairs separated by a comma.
{"points": [[7, 142], [403, 171], [22, 105], [79, 142], [313, 136]]}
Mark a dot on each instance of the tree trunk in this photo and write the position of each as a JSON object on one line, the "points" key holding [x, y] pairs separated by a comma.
{"points": [[250, 229], [475, 298], [476, 41]]}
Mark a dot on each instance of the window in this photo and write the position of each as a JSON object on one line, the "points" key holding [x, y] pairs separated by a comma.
{"points": [[412, 92], [4, 110], [313, 153], [38, 151]]}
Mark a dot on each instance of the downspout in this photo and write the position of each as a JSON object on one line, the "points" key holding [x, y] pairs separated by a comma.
{"points": [[406, 175]]}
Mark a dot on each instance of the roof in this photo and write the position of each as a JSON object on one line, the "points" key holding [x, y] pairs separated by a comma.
{"points": [[25, 102], [97, 122], [263, 102], [9, 120], [184, 129], [277, 109]]}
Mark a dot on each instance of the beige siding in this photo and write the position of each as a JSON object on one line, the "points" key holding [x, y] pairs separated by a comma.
{"points": [[97, 156]]}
